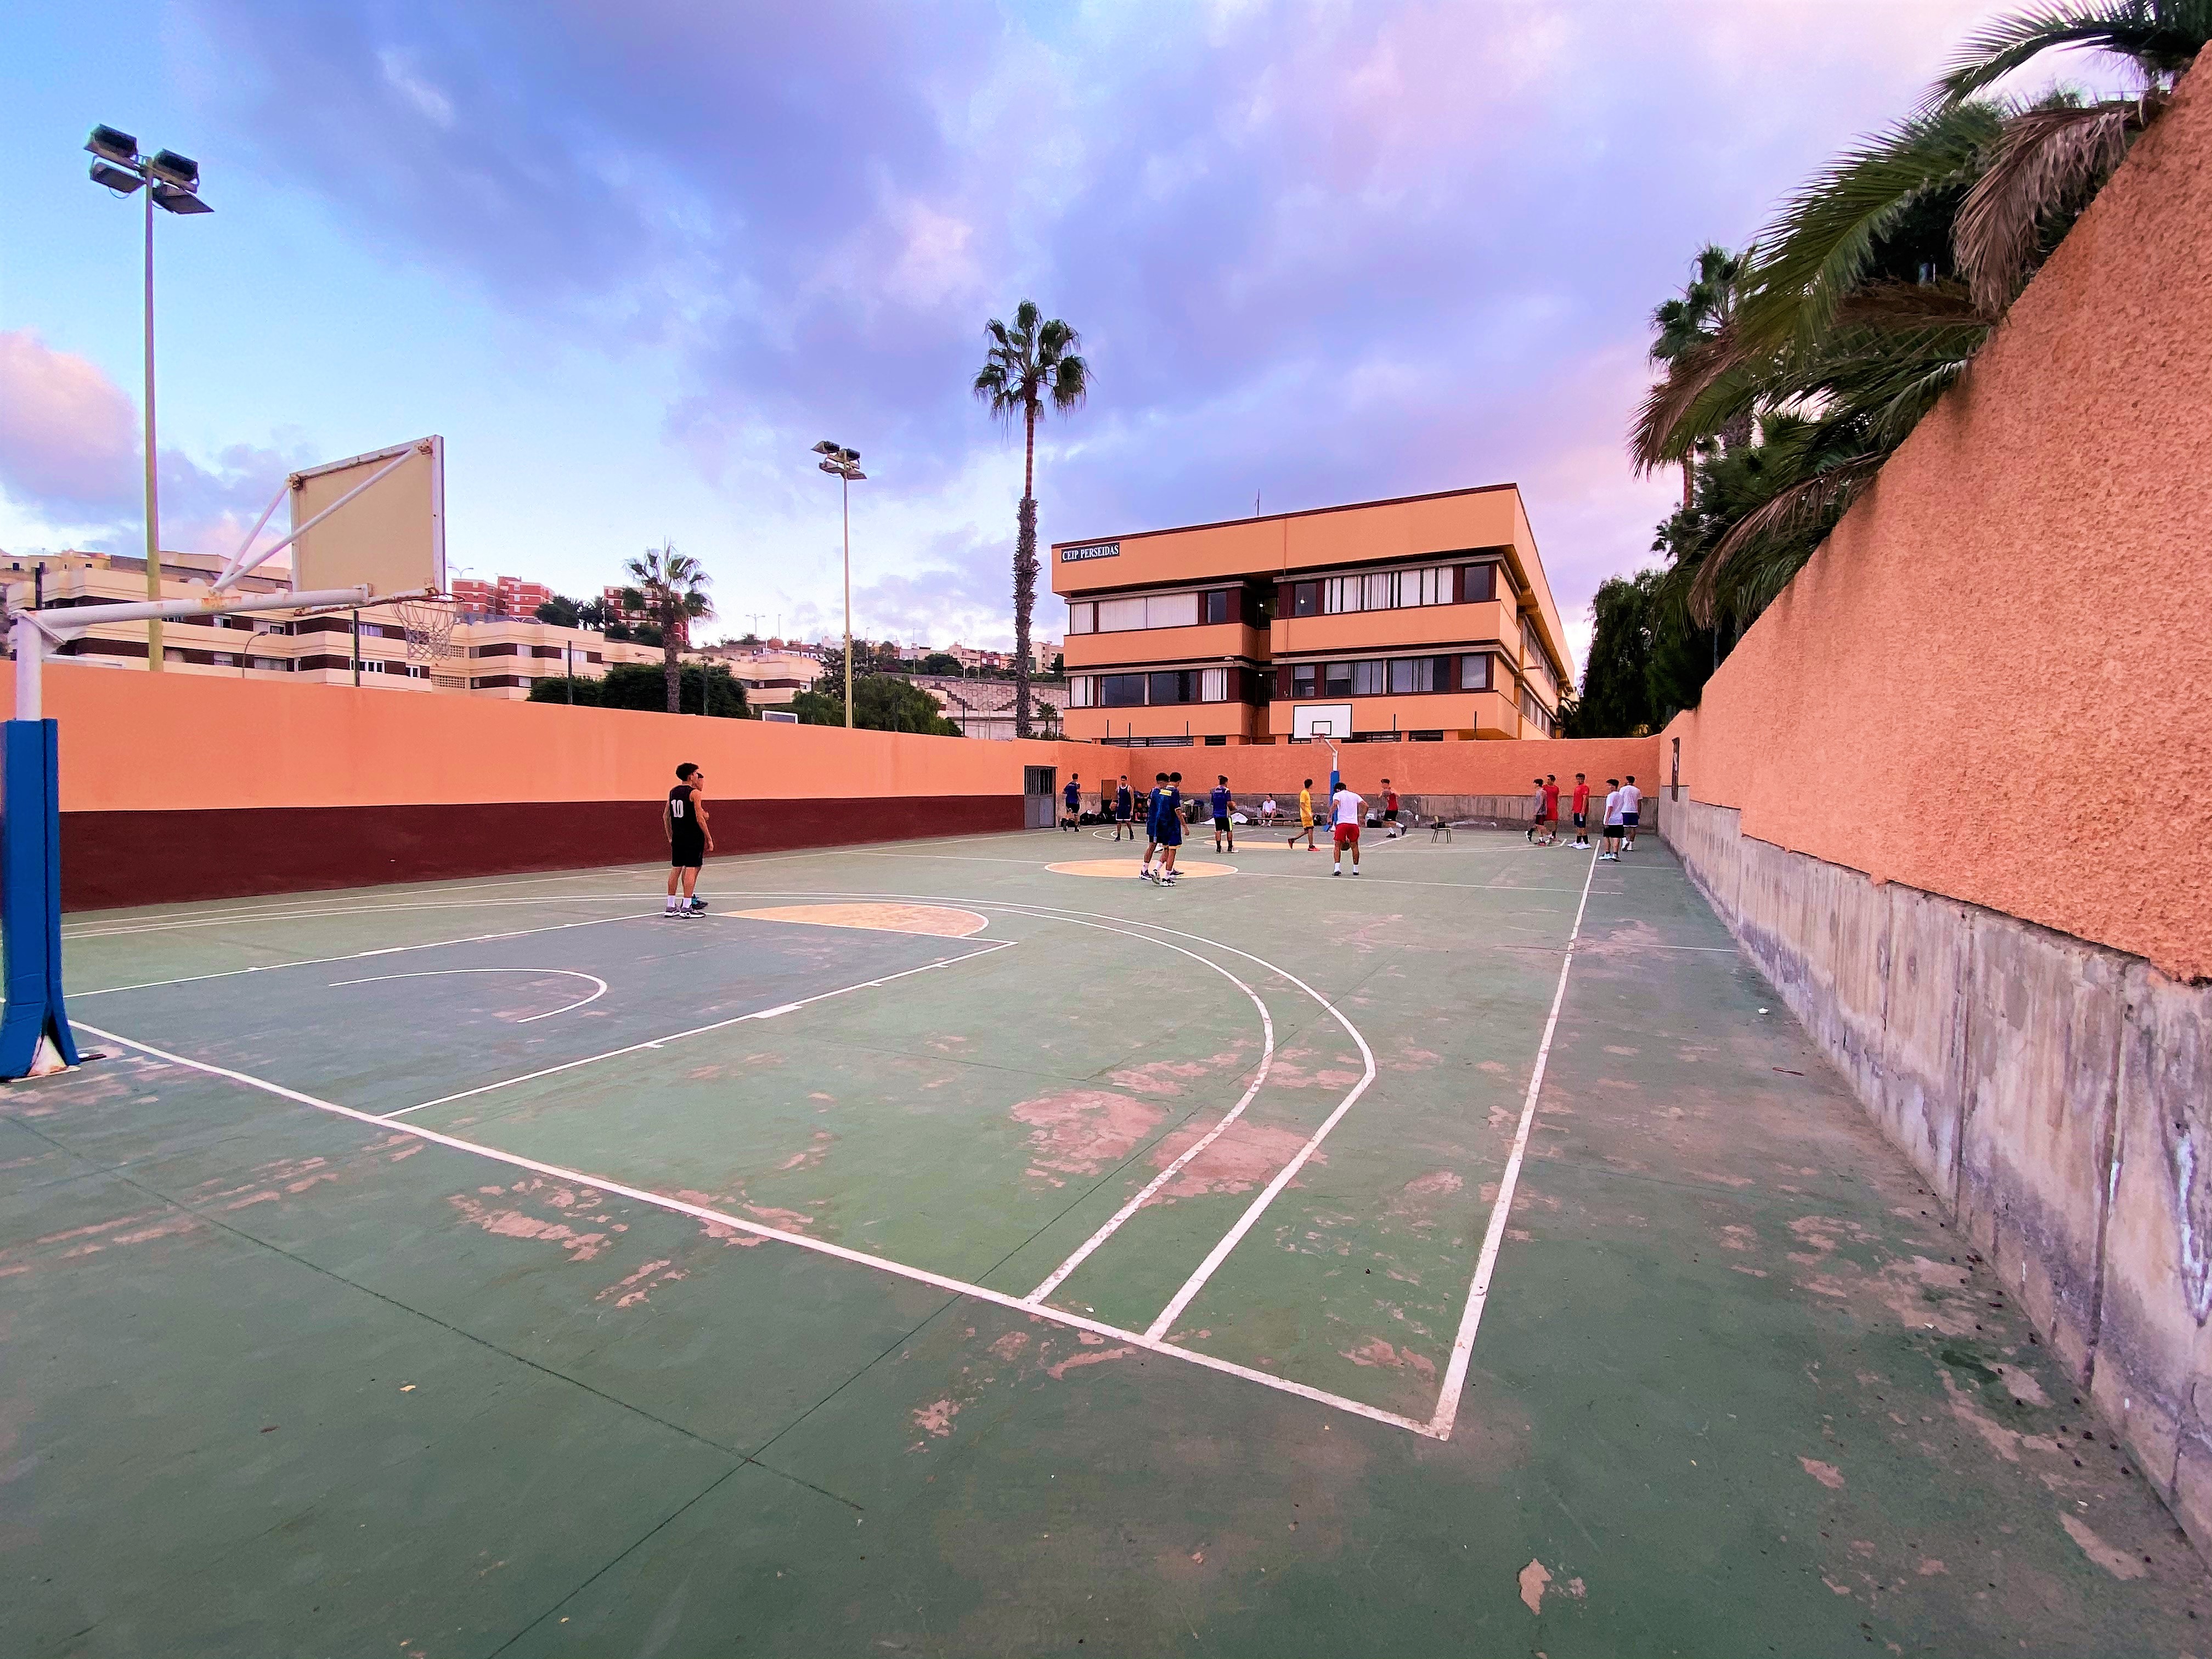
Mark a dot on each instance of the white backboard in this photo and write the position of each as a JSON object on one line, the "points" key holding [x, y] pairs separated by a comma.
{"points": [[1321, 720]]}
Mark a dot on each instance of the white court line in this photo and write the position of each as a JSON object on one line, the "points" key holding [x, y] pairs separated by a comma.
{"points": [[540, 973], [1231, 1239], [358, 956], [701, 1031], [822, 1247], [1478, 1296], [1059, 1274]]}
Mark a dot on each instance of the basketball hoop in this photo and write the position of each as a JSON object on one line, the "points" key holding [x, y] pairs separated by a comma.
{"points": [[429, 623]]}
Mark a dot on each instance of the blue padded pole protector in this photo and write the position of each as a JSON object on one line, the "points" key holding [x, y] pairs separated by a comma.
{"points": [[31, 895]]}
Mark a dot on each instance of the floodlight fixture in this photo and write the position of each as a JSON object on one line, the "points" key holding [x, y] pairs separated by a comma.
{"points": [[113, 144], [172, 169], [177, 200], [109, 176]]}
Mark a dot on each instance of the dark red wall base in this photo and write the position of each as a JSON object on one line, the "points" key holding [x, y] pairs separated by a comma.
{"points": [[116, 859]]}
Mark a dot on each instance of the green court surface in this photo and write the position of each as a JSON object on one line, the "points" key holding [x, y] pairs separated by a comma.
{"points": [[970, 1257]]}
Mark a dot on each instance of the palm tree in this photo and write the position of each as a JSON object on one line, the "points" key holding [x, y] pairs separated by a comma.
{"points": [[1706, 303], [1031, 361], [670, 588]]}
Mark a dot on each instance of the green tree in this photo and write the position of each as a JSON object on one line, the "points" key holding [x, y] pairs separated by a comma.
{"points": [[1871, 292], [940, 662], [1616, 697], [881, 702], [576, 689], [1694, 318], [1028, 364], [670, 588], [561, 612], [640, 685]]}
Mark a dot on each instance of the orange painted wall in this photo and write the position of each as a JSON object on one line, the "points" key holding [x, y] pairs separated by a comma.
{"points": [[137, 742], [1994, 682]]}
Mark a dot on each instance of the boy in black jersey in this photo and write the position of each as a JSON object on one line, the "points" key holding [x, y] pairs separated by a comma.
{"points": [[684, 821]]}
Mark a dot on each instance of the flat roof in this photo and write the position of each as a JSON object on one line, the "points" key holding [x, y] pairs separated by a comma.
{"points": [[1301, 512]]}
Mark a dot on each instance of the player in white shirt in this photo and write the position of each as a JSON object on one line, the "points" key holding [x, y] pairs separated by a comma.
{"points": [[1631, 804], [1267, 812], [1348, 808], [1611, 854]]}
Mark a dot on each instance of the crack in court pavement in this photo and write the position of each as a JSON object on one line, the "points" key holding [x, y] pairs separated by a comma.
{"points": [[743, 1458]]}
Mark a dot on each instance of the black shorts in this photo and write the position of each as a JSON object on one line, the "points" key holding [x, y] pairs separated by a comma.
{"points": [[1220, 826], [1390, 816], [1616, 829], [1629, 818], [687, 854], [1579, 817]]}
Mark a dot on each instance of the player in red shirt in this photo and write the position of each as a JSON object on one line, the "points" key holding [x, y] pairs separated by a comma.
{"points": [[1552, 809], [1391, 828], [1581, 801]]}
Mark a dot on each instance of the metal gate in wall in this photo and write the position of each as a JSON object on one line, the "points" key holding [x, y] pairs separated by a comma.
{"points": [[1040, 784]]}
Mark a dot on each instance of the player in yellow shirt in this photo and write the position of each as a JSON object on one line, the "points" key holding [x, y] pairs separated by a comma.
{"points": [[1305, 819]]}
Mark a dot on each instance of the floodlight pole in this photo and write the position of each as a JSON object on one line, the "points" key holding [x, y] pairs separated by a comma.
{"points": [[845, 489], [844, 464], [153, 482]]}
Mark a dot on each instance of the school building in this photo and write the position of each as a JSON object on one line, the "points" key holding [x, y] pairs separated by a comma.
{"points": [[1421, 618]]}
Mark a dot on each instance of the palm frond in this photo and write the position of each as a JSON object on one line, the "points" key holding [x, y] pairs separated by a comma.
{"points": [[2047, 164], [1705, 386], [1823, 243], [1908, 306], [1787, 518], [2160, 37]]}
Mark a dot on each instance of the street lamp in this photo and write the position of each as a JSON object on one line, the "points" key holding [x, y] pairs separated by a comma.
{"points": [[172, 182], [844, 464]]}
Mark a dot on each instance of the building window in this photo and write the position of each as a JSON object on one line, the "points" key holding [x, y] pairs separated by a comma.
{"points": [[1302, 680], [1082, 617], [1212, 684], [1220, 605], [1305, 598], [1216, 741], [1078, 691], [1172, 685], [1120, 690], [1474, 672], [1369, 679], [1477, 583]]}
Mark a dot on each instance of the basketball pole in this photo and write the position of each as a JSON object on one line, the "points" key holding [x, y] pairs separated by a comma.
{"points": [[34, 1027]]}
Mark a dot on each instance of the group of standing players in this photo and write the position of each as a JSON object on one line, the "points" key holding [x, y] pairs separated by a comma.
{"points": [[1623, 813]]}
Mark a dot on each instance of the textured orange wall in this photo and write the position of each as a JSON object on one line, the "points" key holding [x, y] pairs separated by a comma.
{"points": [[1994, 682], [137, 742]]}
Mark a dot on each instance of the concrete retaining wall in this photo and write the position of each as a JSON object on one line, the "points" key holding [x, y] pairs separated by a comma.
{"points": [[2057, 1095]]}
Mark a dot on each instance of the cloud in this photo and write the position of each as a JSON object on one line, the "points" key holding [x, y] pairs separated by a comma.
{"points": [[69, 437], [1317, 252], [70, 460]]}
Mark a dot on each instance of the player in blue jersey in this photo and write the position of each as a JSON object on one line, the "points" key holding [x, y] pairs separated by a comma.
{"points": [[1223, 801], [1152, 799]]}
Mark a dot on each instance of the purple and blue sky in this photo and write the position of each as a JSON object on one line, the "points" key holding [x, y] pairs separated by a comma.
{"points": [[632, 260]]}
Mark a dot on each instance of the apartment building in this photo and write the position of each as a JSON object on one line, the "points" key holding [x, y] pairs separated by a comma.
{"points": [[498, 656], [503, 596], [1422, 618]]}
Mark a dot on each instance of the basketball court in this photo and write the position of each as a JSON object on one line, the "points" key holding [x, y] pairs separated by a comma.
{"points": [[958, 1247]]}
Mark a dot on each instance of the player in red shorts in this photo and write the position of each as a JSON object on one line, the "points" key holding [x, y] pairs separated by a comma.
{"points": [[1347, 808]]}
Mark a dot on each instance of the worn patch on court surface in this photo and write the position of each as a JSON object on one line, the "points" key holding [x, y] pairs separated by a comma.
{"points": [[936, 918], [1126, 867]]}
